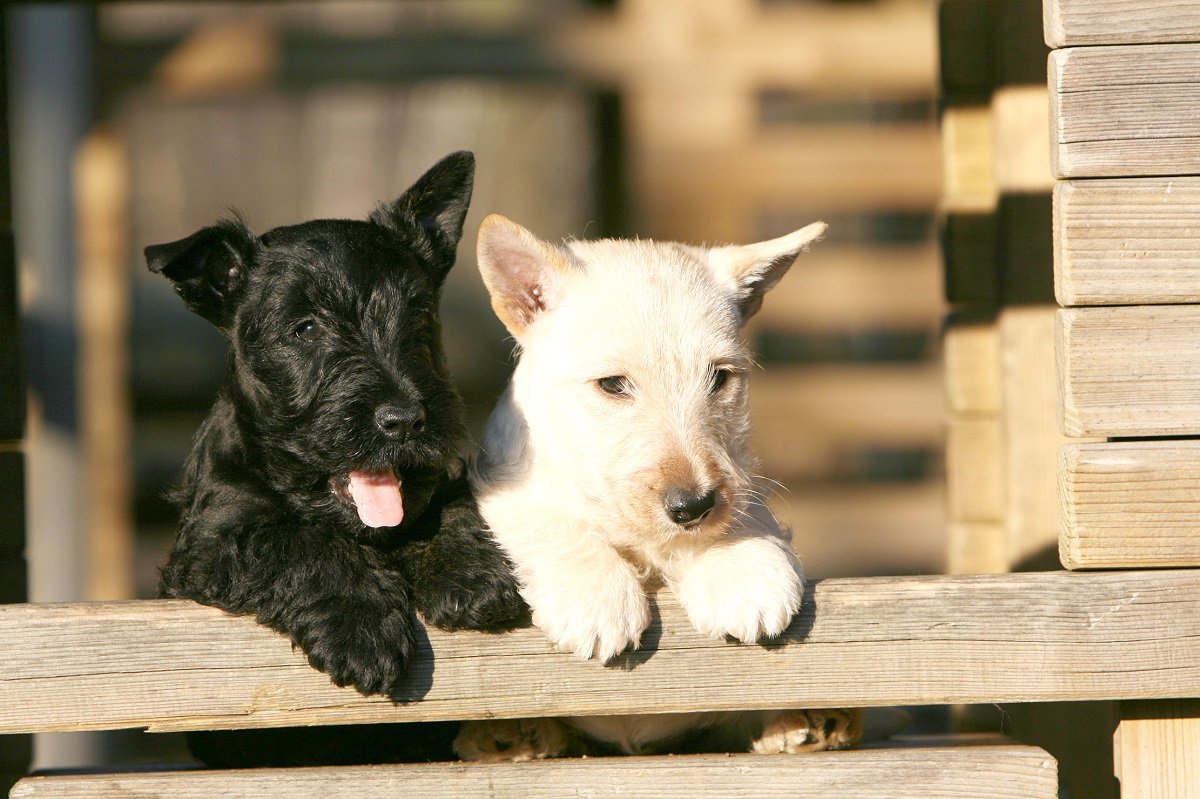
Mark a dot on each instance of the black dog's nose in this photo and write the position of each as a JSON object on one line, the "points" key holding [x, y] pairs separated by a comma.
{"points": [[397, 421], [687, 507]]}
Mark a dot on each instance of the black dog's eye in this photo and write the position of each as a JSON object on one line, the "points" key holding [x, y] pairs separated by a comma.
{"points": [[718, 379], [616, 385], [309, 330]]}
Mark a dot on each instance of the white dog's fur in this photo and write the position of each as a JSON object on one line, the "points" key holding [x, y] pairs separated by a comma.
{"points": [[628, 407]]}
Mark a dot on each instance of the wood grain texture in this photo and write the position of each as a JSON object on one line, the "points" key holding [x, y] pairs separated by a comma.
{"points": [[1131, 504], [1155, 750], [1130, 241], [1125, 110], [1130, 372], [856, 642], [1075, 22], [985, 772]]}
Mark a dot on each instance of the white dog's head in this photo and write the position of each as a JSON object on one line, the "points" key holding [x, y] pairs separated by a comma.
{"points": [[631, 390]]}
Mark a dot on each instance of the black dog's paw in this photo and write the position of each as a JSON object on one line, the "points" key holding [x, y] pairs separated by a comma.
{"points": [[361, 649], [490, 602], [465, 585]]}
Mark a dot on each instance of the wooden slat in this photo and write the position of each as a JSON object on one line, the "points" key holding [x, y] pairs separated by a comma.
{"points": [[854, 288], [1075, 22], [976, 548], [808, 419], [101, 192], [1130, 371], [1130, 504], [1155, 750], [1128, 241], [984, 772], [1031, 435], [1125, 111], [975, 470], [889, 46], [866, 528], [1022, 119], [856, 642], [971, 352], [969, 160]]}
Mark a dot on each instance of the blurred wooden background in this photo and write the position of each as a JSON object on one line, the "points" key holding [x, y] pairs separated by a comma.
{"points": [[703, 121], [712, 120]]}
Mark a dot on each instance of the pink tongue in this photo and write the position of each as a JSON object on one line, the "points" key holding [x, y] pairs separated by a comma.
{"points": [[377, 497]]}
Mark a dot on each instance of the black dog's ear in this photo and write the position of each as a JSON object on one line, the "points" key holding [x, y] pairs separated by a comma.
{"points": [[436, 205], [208, 268]]}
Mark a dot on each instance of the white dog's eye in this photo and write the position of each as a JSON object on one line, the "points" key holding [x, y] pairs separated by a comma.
{"points": [[616, 385], [718, 379]]}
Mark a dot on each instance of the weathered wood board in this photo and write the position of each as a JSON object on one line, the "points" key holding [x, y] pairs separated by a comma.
{"points": [[983, 772], [1125, 110], [1132, 241], [1075, 22], [1130, 372], [856, 642], [1130, 504]]}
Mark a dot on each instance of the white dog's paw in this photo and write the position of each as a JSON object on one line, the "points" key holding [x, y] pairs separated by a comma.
{"points": [[798, 731], [596, 615], [497, 740], [749, 589]]}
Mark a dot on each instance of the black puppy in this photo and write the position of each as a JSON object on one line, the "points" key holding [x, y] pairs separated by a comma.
{"points": [[324, 492]]}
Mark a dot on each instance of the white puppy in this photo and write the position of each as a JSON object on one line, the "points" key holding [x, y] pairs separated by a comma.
{"points": [[618, 459]]}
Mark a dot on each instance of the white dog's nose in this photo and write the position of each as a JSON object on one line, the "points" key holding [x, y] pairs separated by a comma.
{"points": [[687, 506]]}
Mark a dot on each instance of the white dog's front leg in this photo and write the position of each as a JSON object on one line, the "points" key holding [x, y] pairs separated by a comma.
{"points": [[585, 597], [746, 587]]}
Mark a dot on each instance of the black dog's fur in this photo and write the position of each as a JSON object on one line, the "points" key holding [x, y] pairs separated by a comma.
{"points": [[335, 365]]}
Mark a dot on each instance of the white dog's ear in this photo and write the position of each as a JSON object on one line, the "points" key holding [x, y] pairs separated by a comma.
{"points": [[753, 269], [523, 274]]}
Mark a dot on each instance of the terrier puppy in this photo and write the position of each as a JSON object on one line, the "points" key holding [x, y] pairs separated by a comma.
{"points": [[324, 493], [619, 459]]}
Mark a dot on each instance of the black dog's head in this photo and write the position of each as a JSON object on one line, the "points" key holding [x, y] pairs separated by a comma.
{"points": [[337, 373]]}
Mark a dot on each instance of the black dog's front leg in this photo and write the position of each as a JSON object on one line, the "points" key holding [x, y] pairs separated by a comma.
{"points": [[333, 597], [460, 578]]}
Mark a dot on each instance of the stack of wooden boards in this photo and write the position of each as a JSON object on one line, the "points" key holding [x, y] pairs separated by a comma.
{"points": [[1124, 88], [1127, 371]]}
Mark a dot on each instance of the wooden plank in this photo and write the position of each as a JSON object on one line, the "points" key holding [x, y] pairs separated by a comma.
{"points": [[1076, 22], [835, 411], [172, 665], [971, 353], [1130, 504], [1155, 750], [1031, 435], [1022, 119], [103, 297], [866, 528], [976, 548], [888, 46], [1127, 241], [1125, 110], [1130, 372], [848, 287], [969, 160], [983, 772], [975, 469]]}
